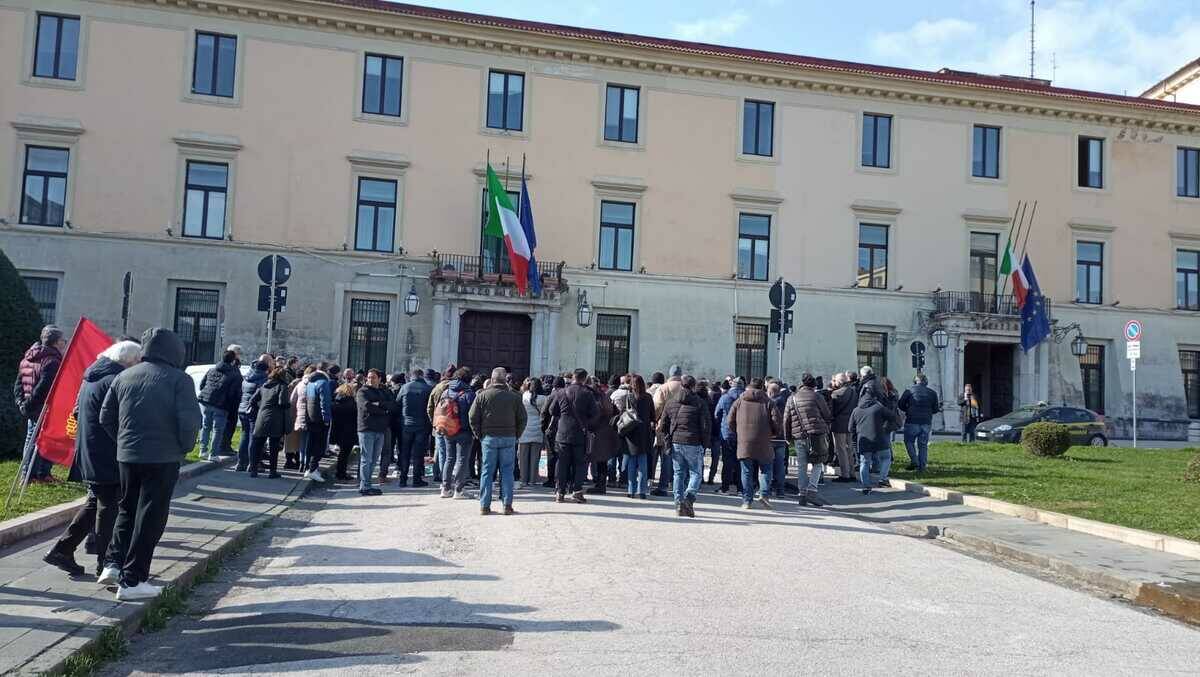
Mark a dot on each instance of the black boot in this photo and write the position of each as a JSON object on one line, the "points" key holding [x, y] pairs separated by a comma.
{"points": [[64, 561]]}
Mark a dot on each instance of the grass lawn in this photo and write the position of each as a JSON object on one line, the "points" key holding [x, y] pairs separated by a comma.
{"points": [[1138, 488], [38, 496]]}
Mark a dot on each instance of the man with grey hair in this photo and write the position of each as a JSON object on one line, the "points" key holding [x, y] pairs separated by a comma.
{"points": [[671, 391], [843, 401], [35, 375], [497, 418], [685, 425], [96, 458], [919, 403]]}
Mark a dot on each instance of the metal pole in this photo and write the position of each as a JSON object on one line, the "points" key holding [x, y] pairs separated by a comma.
{"points": [[1133, 368], [779, 367], [271, 306]]}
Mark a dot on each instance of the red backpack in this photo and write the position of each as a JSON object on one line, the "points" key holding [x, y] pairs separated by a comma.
{"points": [[446, 419]]}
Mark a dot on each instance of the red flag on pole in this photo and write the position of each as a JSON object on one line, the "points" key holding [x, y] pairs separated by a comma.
{"points": [[56, 436]]}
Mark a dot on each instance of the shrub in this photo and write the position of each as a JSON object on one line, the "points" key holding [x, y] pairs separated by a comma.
{"points": [[21, 326], [1046, 439], [1192, 474]]}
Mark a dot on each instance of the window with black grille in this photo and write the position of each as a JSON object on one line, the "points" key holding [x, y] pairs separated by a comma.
{"points": [[196, 313], [612, 346], [750, 350], [368, 343]]}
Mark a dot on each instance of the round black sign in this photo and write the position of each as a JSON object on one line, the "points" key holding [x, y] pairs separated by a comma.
{"points": [[283, 269], [916, 348], [782, 295]]}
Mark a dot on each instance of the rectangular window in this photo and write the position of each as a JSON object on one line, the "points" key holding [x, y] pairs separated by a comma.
{"points": [[983, 265], [382, 80], [872, 256], [1091, 367], [616, 235], [1187, 279], [204, 200], [1091, 162], [985, 152], [877, 140], [196, 323], [44, 291], [505, 100], [57, 47], [376, 222], [612, 346], [872, 351], [368, 340], [750, 350], [1189, 360], [758, 128], [214, 64], [1089, 272], [44, 186], [1187, 172], [754, 246], [495, 255], [621, 114]]}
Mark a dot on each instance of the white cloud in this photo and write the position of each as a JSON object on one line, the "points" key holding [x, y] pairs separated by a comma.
{"points": [[1094, 45], [710, 30]]}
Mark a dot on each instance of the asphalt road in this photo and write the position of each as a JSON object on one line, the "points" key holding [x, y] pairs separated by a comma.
{"points": [[412, 583]]}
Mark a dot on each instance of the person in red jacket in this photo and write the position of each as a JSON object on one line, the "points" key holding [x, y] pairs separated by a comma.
{"points": [[35, 375]]}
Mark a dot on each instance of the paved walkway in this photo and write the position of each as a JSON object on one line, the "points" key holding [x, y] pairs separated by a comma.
{"points": [[45, 616]]}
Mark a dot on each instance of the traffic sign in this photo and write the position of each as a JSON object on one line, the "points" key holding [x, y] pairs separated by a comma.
{"points": [[1133, 350], [281, 266], [264, 298], [1133, 330], [916, 348], [782, 295], [787, 320]]}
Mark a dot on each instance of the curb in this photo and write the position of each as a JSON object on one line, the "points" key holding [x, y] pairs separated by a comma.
{"points": [[180, 575], [34, 523], [1138, 537]]}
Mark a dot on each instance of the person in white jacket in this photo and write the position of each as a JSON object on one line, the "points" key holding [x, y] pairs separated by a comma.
{"points": [[529, 445]]}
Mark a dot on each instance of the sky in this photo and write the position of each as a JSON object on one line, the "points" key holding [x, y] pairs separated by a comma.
{"points": [[1118, 46]]}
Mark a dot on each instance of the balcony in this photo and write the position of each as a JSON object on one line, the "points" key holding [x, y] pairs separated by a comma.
{"points": [[490, 269], [976, 303]]}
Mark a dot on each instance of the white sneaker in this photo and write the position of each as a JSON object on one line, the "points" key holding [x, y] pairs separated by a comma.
{"points": [[316, 476], [142, 590], [308, 474], [110, 576], [446, 493]]}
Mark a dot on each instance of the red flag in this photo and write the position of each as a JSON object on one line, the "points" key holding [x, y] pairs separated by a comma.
{"points": [[56, 436]]}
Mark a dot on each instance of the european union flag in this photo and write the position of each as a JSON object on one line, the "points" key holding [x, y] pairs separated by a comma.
{"points": [[1035, 322], [525, 216]]}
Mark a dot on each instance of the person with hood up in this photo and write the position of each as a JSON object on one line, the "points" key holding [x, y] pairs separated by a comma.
{"points": [[151, 411], [871, 427], [729, 455], [274, 407], [221, 384], [35, 375], [755, 420], [246, 411], [452, 424], [96, 458], [806, 420], [318, 417], [685, 424]]}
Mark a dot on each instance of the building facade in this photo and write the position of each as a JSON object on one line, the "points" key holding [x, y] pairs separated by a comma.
{"points": [[671, 184]]}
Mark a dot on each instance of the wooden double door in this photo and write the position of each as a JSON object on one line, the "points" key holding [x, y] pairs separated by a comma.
{"points": [[488, 340]]}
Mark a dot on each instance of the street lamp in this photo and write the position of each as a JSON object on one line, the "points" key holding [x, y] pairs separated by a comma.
{"points": [[940, 339], [412, 302], [1079, 346], [585, 310]]}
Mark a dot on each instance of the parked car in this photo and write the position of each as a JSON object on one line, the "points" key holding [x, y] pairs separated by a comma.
{"points": [[1086, 426], [197, 372]]}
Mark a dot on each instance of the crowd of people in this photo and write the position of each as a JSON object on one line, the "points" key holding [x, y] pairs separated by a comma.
{"points": [[139, 415]]}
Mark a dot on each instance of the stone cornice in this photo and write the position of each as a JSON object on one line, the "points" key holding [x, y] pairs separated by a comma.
{"points": [[213, 143], [47, 127], [314, 14], [366, 159]]}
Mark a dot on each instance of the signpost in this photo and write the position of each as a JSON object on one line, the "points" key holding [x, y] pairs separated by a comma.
{"points": [[1133, 351], [274, 271], [782, 296], [127, 291], [917, 348]]}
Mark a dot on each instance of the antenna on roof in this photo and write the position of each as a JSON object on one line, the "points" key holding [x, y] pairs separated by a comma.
{"points": [[1053, 66], [1031, 32]]}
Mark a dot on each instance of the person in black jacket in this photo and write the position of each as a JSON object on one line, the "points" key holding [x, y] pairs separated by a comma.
{"points": [[96, 459], [871, 427], [151, 411], [919, 403], [247, 411], [272, 406], [686, 425], [375, 404], [843, 401], [221, 384], [343, 430], [570, 409], [413, 411]]}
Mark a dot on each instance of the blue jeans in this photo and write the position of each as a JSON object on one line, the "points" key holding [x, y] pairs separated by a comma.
{"points": [[243, 461], [212, 428], [917, 434], [502, 452], [881, 456], [636, 467], [779, 468], [455, 460], [688, 462], [765, 471], [370, 445], [41, 467]]}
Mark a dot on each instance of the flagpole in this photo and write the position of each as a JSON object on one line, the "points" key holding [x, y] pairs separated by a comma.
{"points": [[520, 203], [1029, 229], [1012, 225]]}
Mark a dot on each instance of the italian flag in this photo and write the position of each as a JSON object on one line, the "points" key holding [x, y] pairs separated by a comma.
{"points": [[1009, 268], [503, 222]]}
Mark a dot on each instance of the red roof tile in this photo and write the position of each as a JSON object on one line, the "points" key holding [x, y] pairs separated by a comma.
{"points": [[954, 78]]}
